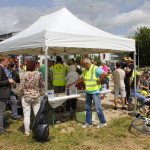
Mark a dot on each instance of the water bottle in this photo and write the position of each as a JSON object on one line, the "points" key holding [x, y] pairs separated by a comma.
{"points": [[104, 87], [68, 91], [50, 93], [76, 90]]}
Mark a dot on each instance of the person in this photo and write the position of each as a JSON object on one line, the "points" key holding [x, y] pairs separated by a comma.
{"points": [[105, 68], [58, 74], [145, 83], [42, 70], [25, 66], [90, 76], [70, 64], [71, 103], [5, 86], [78, 68], [119, 86], [31, 85], [135, 93], [128, 68], [11, 74]]}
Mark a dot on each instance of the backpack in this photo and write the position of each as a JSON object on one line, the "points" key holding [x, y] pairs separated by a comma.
{"points": [[40, 127]]}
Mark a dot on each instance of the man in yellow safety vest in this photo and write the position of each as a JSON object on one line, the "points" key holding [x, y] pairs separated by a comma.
{"points": [[90, 76], [58, 74]]}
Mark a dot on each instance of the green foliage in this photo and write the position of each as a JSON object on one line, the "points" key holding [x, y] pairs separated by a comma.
{"points": [[78, 58], [98, 59], [142, 37], [122, 55]]}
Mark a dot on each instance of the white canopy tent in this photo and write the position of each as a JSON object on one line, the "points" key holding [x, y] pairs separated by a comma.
{"points": [[61, 33], [64, 34]]}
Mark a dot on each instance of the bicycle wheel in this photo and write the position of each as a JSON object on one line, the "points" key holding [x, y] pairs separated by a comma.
{"points": [[141, 126]]}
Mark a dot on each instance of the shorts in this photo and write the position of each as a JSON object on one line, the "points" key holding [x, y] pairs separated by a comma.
{"points": [[121, 91]]}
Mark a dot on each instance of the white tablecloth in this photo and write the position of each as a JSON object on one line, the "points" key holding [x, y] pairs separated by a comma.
{"points": [[57, 101]]}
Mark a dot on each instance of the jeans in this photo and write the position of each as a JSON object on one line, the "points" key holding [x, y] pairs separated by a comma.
{"points": [[97, 101], [138, 96], [2, 113], [14, 106]]}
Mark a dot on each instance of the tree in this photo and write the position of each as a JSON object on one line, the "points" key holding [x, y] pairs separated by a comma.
{"points": [[122, 55], [98, 59], [142, 37]]}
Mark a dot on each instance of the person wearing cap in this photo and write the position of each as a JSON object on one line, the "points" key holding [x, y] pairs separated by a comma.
{"points": [[90, 76], [128, 68]]}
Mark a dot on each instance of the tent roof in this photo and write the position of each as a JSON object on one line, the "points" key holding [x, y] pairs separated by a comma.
{"points": [[64, 34]]}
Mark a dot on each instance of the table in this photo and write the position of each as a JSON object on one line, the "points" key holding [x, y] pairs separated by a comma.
{"points": [[57, 101]]}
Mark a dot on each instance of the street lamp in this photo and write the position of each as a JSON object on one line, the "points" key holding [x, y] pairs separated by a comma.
{"points": [[92, 14]]}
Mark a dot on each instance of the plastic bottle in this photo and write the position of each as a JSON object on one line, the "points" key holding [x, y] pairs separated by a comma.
{"points": [[68, 91], [76, 90], [104, 87]]}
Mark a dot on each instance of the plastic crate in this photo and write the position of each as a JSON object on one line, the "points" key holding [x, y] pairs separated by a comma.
{"points": [[81, 116]]}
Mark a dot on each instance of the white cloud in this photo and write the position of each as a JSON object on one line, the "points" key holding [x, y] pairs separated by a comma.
{"points": [[108, 15], [17, 18], [133, 19]]}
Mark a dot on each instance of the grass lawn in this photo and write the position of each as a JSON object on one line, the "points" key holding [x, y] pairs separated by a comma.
{"points": [[70, 136]]}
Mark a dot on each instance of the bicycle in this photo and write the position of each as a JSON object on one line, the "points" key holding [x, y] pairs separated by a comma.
{"points": [[141, 123]]}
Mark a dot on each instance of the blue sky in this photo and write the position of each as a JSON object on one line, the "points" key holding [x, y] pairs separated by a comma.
{"points": [[121, 17]]}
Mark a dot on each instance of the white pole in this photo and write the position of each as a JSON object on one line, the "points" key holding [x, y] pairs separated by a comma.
{"points": [[135, 81], [46, 70]]}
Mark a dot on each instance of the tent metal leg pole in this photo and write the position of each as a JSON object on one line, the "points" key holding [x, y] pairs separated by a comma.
{"points": [[135, 81], [53, 117], [46, 70]]}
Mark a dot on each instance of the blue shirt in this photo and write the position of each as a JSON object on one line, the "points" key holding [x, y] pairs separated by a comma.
{"points": [[99, 72], [8, 72]]}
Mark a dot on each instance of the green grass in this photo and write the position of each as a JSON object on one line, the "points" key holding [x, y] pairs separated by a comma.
{"points": [[70, 136]]}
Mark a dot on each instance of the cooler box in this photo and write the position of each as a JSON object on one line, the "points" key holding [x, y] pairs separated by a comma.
{"points": [[81, 116]]}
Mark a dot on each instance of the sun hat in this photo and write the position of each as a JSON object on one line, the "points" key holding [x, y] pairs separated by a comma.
{"points": [[128, 58]]}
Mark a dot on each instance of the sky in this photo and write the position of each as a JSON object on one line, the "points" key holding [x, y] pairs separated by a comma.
{"points": [[120, 17]]}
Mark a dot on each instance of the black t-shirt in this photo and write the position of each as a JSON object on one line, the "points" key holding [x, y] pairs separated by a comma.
{"points": [[130, 66]]}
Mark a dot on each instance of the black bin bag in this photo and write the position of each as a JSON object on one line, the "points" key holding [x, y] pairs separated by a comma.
{"points": [[41, 123]]}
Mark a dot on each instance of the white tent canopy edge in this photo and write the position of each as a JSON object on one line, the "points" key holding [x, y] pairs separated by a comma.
{"points": [[64, 34]]}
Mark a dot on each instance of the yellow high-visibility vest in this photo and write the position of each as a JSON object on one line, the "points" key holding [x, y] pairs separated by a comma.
{"points": [[25, 68], [136, 73], [59, 73], [90, 79]]}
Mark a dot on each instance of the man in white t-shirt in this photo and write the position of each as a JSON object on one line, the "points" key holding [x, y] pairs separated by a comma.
{"points": [[119, 86]]}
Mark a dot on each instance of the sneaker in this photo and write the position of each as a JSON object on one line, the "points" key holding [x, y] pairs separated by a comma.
{"points": [[66, 114], [123, 108], [86, 125], [115, 108], [101, 125]]}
